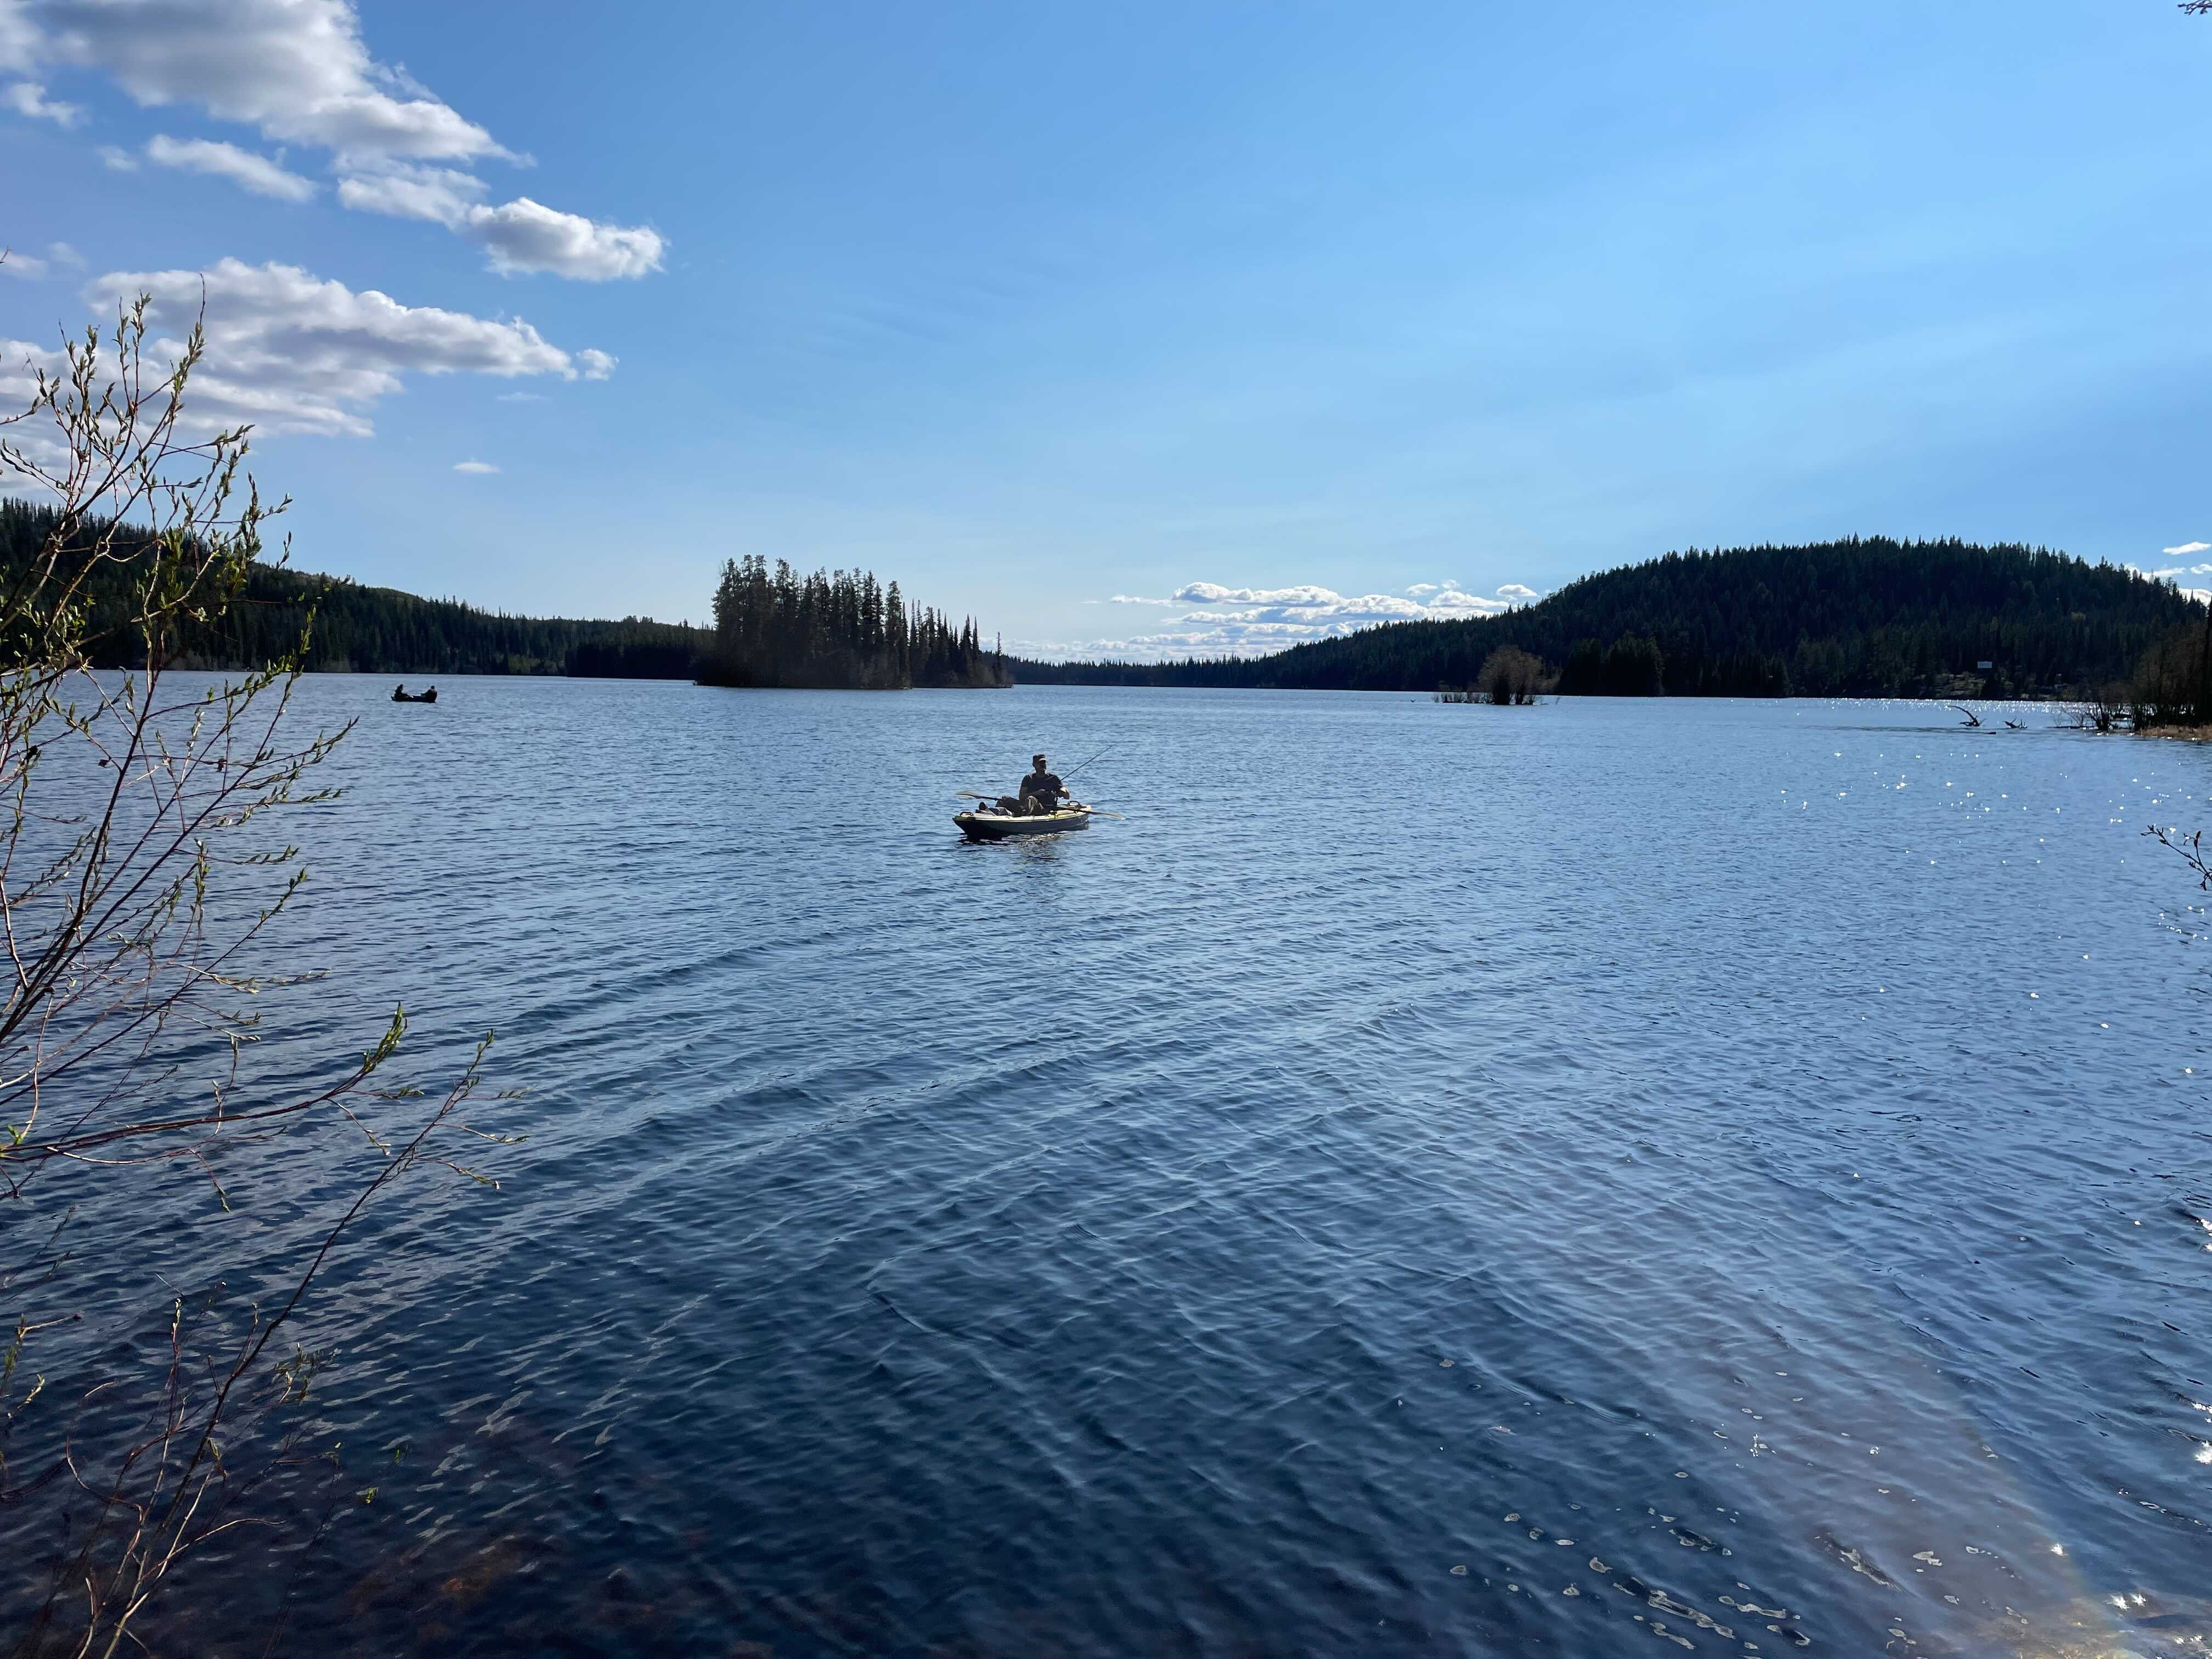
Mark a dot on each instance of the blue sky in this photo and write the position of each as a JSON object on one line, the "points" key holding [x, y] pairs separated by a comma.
{"points": [[1150, 327]]}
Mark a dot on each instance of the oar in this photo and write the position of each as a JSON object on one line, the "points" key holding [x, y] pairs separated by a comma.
{"points": [[970, 794]]}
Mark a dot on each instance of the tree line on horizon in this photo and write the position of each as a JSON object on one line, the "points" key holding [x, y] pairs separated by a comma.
{"points": [[836, 630], [357, 629], [1861, 616], [840, 628]]}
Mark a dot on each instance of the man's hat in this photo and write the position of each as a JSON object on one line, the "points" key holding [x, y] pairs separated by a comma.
{"points": [[1036, 760]]}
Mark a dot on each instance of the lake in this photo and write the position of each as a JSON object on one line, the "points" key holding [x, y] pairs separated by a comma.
{"points": [[1434, 1180]]}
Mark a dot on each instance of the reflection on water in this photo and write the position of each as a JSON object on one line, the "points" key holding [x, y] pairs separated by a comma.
{"points": [[2126, 1625], [1436, 1179]]}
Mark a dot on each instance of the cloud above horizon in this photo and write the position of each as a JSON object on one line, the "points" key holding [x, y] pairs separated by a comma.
{"points": [[1237, 621], [289, 352], [521, 236], [2186, 548], [299, 72], [248, 170], [14, 262], [29, 100]]}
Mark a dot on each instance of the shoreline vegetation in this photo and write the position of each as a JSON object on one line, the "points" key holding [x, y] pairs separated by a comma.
{"points": [[1860, 617], [829, 631], [357, 629], [1857, 618]]}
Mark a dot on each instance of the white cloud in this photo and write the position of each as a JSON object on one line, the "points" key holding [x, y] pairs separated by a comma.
{"points": [[403, 191], [1236, 622], [594, 364], [299, 72], [257, 173], [59, 255], [18, 38], [521, 236], [527, 236], [291, 353], [474, 466], [115, 159], [2196, 595], [29, 98], [521, 398], [2170, 570], [2186, 549]]}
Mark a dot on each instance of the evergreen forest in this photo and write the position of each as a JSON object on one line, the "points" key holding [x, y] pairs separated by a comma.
{"points": [[1866, 617], [1860, 617], [837, 628], [370, 630], [824, 629]]}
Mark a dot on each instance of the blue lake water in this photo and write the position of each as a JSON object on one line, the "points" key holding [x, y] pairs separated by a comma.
{"points": [[1434, 1180]]}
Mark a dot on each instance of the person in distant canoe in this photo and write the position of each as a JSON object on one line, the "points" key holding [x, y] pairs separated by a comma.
{"points": [[1040, 792]]}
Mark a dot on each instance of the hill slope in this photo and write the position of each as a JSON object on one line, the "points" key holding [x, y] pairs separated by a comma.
{"points": [[1862, 617], [381, 630]]}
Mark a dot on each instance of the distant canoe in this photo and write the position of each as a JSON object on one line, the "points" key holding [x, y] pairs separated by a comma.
{"points": [[431, 696], [1000, 826]]}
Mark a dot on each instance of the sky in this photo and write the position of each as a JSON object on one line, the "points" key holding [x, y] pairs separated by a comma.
{"points": [[1145, 329]]}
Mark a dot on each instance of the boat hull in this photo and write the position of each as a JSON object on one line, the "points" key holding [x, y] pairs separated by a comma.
{"points": [[1005, 826]]}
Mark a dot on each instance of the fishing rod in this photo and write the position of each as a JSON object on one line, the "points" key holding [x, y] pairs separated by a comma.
{"points": [[969, 795], [1101, 755]]}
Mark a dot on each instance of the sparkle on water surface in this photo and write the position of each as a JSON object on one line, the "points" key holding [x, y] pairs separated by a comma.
{"points": [[1756, 1149]]}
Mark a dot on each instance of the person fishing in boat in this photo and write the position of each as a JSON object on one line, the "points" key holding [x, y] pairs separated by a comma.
{"points": [[1041, 792]]}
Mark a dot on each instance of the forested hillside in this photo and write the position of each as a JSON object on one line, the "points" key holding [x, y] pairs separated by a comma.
{"points": [[378, 630], [1862, 617]]}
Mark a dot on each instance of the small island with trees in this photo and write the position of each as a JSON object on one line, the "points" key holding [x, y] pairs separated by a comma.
{"points": [[836, 630]]}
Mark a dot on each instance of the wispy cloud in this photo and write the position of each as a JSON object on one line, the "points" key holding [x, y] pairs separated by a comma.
{"points": [[474, 466], [1236, 622], [2186, 549], [59, 255], [29, 98], [248, 170]]}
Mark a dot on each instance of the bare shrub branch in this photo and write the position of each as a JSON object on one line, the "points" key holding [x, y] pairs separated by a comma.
{"points": [[141, 872]]}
